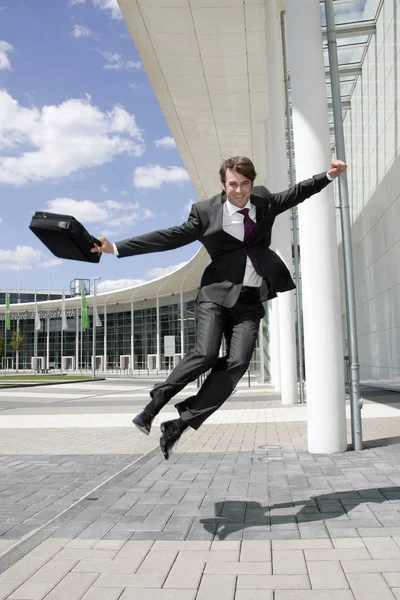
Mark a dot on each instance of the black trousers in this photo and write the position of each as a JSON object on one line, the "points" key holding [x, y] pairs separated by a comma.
{"points": [[239, 325]]}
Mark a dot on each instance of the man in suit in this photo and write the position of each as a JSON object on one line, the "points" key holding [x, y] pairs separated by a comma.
{"points": [[235, 228]]}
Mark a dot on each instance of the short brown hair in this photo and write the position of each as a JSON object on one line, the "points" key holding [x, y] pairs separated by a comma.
{"points": [[241, 164]]}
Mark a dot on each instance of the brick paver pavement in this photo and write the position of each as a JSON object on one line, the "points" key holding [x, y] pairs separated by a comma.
{"points": [[95, 513]]}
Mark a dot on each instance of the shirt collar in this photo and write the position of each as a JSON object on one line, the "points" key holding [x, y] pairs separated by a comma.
{"points": [[232, 209]]}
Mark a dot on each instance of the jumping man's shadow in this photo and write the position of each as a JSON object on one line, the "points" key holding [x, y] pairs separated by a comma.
{"points": [[237, 515]]}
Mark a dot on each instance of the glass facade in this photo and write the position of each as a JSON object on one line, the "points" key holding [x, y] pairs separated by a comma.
{"points": [[125, 342]]}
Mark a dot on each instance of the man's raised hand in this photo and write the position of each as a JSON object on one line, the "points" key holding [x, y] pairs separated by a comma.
{"points": [[337, 167]]}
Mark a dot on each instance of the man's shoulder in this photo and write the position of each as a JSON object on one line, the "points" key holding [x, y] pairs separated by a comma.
{"points": [[261, 192], [205, 204]]}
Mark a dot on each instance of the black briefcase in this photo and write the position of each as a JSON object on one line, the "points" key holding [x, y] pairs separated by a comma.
{"points": [[64, 236]]}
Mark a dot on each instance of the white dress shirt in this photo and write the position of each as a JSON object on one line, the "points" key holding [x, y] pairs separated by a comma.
{"points": [[232, 223]]}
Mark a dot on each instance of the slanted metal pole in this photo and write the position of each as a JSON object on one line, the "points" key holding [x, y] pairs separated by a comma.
{"points": [[355, 398], [296, 261]]}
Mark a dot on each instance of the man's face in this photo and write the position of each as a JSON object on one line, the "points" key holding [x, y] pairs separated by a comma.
{"points": [[237, 188]]}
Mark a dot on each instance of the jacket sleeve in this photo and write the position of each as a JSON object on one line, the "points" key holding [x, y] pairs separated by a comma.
{"points": [[282, 201], [166, 239]]}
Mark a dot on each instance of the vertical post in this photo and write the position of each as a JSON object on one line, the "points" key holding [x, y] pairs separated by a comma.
{"points": [[35, 341], [182, 325], [292, 179], [158, 361], [132, 338], [319, 253], [81, 343], [281, 235], [76, 339], [61, 348], [47, 341], [105, 337], [355, 399], [94, 319]]}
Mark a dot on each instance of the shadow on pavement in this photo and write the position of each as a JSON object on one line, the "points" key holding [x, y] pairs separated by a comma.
{"points": [[232, 516]]}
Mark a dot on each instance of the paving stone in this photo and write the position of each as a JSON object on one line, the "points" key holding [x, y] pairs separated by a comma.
{"points": [[303, 544], [40, 584], [213, 587], [393, 579], [158, 562], [382, 547], [72, 587], [182, 545], [254, 595], [289, 562], [134, 549], [327, 575], [255, 550], [313, 595], [208, 556], [85, 554], [369, 586], [164, 594], [238, 568], [23, 569], [6, 589], [125, 580], [185, 575], [108, 566], [389, 565], [273, 582], [103, 594], [338, 554]]}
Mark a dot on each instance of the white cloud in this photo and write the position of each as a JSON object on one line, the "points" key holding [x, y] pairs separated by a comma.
{"points": [[116, 62], [5, 48], [83, 210], [161, 271], [187, 207], [67, 137], [123, 193], [153, 176], [24, 257], [52, 262], [115, 215], [108, 285], [81, 31], [111, 5], [165, 142], [1, 220], [104, 188]]}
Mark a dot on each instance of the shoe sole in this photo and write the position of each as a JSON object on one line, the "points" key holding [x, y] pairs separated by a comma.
{"points": [[142, 429]]}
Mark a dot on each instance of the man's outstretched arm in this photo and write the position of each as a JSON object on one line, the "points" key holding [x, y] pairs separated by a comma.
{"points": [[298, 193], [155, 241]]}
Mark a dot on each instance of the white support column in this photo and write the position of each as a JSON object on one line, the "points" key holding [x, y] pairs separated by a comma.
{"points": [[319, 252], [278, 181], [275, 344], [132, 337], [47, 341], [158, 361], [76, 339], [105, 338], [182, 326], [261, 350]]}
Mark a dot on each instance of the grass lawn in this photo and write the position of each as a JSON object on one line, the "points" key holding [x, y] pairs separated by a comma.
{"points": [[21, 379]]}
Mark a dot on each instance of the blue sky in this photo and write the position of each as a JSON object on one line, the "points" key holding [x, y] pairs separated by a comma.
{"points": [[81, 133]]}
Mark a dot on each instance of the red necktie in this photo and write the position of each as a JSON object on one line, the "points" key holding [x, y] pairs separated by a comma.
{"points": [[249, 226]]}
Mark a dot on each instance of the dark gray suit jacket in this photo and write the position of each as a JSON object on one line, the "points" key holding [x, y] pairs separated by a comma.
{"points": [[222, 279]]}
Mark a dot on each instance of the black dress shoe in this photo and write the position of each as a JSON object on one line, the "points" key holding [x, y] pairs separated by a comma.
{"points": [[143, 421], [170, 435]]}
